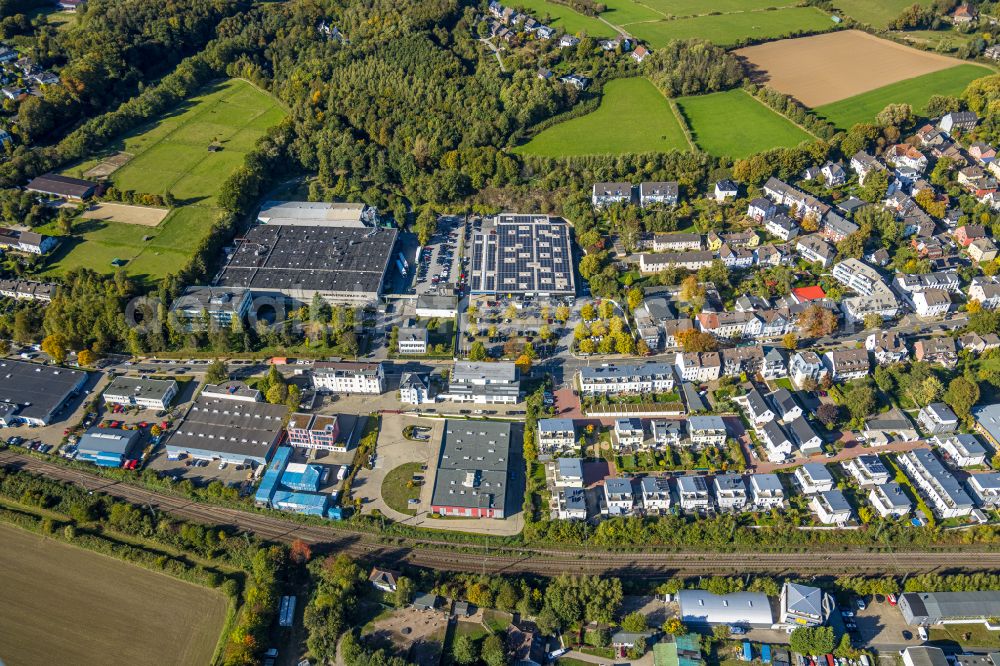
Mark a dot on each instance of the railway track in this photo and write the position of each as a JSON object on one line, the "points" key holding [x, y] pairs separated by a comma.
{"points": [[474, 558]]}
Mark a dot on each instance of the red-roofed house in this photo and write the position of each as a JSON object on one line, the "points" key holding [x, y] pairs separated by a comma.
{"points": [[806, 294]]}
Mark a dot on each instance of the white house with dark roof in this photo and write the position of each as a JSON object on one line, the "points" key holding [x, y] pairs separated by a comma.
{"points": [[847, 364], [938, 486], [656, 494], [963, 450], [758, 411], [786, 407], [666, 433], [707, 430], [777, 443], [867, 470], [652, 193], [692, 491], [806, 365], [766, 491], [831, 507], [606, 194], [805, 437], [567, 472], [887, 347], [628, 433], [555, 435], [618, 497], [726, 189], [889, 500], [815, 250], [985, 489], [937, 418], [730, 492]]}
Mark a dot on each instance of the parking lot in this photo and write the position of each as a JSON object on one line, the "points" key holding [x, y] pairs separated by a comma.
{"points": [[440, 263]]}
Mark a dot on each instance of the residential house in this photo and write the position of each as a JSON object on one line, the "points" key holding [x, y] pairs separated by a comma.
{"points": [[799, 202], [698, 366], [963, 450], [932, 303], [862, 164], [905, 155], [834, 174], [739, 258], [692, 491], [814, 478], [831, 507], [967, 233], [782, 226], [964, 14], [847, 364], [976, 343], [982, 250], [775, 365], [658, 193], [937, 350], [984, 489], [964, 121], [729, 325], [805, 437], [766, 491], [747, 360], [414, 389], [892, 423], [777, 444], [786, 408], [887, 346], [639, 53], [986, 290], [626, 378], [567, 472], [890, 501], [726, 189], [666, 433], [692, 261], [939, 487], [707, 430], [568, 41], [761, 209], [618, 497], [806, 365], [937, 418], [983, 152], [413, 341], [576, 80], [758, 411], [555, 435], [730, 492], [676, 242], [383, 580], [606, 194], [804, 606], [909, 284], [867, 470], [655, 492], [569, 503], [815, 250], [628, 434], [836, 228]]}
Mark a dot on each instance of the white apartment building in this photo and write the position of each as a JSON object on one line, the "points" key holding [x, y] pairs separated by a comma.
{"points": [[963, 450], [814, 478], [939, 487], [766, 491], [666, 433], [986, 290], [889, 500], [806, 365], [867, 470], [698, 366], [618, 497], [412, 341], [655, 493], [730, 492], [707, 430], [937, 418], [776, 443], [628, 434], [627, 378], [692, 491], [831, 507], [931, 302], [340, 377], [985, 489], [555, 435]]}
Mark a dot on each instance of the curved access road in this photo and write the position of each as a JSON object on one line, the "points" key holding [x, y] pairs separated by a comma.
{"points": [[443, 555]]}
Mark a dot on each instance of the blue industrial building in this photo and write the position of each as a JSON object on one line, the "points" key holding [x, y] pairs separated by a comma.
{"points": [[107, 447], [293, 487]]}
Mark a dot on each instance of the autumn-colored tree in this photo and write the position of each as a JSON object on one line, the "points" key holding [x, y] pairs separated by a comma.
{"points": [[693, 340], [973, 306], [86, 358], [55, 346], [300, 552], [817, 322], [523, 364], [791, 341]]}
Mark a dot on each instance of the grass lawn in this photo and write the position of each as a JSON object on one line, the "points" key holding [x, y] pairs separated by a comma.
{"points": [[785, 383], [634, 117], [876, 14], [734, 124], [394, 487], [496, 620], [700, 7], [564, 18], [727, 29], [568, 661], [144, 618], [171, 154], [915, 92], [979, 636]]}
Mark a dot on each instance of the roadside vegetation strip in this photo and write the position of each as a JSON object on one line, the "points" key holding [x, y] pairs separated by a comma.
{"points": [[683, 123], [916, 92], [733, 124], [633, 117]]}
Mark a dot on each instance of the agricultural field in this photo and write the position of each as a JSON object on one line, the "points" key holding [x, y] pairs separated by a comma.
{"points": [[875, 13], [823, 69], [564, 18], [65, 605], [915, 92], [734, 124], [633, 117], [727, 29], [172, 155]]}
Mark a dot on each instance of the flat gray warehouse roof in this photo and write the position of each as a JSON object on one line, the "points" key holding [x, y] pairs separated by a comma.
{"points": [[38, 389], [228, 426]]}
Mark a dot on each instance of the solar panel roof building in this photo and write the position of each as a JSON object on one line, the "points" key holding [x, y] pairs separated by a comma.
{"points": [[523, 254], [341, 264]]}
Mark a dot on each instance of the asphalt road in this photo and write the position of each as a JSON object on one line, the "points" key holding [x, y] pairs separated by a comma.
{"points": [[432, 553]]}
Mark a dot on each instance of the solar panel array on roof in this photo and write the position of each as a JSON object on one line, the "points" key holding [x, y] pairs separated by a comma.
{"points": [[523, 254]]}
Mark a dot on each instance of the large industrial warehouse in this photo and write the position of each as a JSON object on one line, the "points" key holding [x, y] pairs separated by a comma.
{"points": [[473, 470], [33, 393], [341, 264], [523, 254]]}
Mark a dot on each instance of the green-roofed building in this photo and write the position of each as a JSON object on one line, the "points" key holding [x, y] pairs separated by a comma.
{"points": [[682, 650]]}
